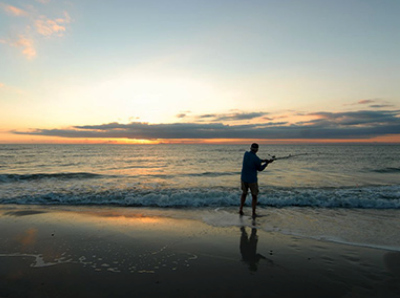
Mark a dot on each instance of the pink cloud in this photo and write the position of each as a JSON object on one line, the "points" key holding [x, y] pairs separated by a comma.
{"points": [[48, 27], [15, 11], [366, 101], [26, 43], [41, 24], [27, 46], [66, 20]]}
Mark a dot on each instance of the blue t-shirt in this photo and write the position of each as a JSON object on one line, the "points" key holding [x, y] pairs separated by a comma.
{"points": [[251, 164]]}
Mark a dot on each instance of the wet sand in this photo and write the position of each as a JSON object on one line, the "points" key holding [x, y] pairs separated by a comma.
{"points": [[136, 252]]}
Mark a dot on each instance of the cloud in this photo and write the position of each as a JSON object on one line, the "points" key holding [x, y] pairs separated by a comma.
{"points": [[12, 10], [183, 114], [1, 85], [365, 101], [381, 106], [238, 116], [27, 45], [356, 118], [43, 1], [205, 116], [33, 26], [350, 125], [48, 27]]}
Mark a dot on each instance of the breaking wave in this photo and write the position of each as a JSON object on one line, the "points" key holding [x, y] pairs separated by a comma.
{"points": [[382, 197], [40, 176]]}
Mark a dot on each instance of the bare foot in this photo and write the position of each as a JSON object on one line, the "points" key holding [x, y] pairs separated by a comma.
{"points": [[241, 212]]}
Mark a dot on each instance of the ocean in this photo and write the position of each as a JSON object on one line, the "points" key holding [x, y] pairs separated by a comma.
{"points": [[330, 176], [343, 193]]}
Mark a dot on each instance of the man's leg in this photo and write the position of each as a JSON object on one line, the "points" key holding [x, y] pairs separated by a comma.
{"points": [[242, 201], [254, 204]]}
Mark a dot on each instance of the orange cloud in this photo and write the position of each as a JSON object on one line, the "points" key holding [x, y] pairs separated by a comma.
{"points": [[365, 101], [66, 20], [43, 26], [26, 43], [15, 11], [27, 46], [49, 27]]}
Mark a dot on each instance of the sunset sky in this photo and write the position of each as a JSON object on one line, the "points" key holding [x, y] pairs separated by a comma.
{"points": [[153, 71]]}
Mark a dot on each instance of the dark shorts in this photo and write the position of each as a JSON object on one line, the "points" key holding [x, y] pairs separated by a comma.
{"points": [[253, 188]]}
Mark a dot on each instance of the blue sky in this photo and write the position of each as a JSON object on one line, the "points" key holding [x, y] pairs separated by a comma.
{"points": [[280, 65]]}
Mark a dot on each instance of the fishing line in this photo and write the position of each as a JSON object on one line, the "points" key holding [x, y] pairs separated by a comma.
{"points": [[273, 157]]}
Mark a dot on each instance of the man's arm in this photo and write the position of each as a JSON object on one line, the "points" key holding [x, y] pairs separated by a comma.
{"points": [[264, 163], [268, 161]]}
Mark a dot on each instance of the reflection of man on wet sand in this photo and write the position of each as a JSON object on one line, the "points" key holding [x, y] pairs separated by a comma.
{"points": [[248, 248]]}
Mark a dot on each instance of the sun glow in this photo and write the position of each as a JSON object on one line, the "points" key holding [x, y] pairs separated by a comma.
{"points": [[147, 97]]}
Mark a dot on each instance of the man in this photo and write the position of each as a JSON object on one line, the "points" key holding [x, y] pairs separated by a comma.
{"points": [[251, 164]]}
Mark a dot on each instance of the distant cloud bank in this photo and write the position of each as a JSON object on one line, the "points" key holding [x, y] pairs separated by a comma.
{"points": [[326, 125]]}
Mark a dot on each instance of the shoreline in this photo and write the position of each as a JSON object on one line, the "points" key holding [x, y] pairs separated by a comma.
{"points": [[125, 252]]}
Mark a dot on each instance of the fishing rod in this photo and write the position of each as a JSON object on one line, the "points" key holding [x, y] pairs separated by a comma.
{"points": [[273, 157]]}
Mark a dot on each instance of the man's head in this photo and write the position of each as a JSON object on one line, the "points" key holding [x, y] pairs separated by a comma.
{"points": [[254, 147]]}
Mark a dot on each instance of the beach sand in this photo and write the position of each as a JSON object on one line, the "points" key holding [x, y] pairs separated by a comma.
{"points": [[137, 252]]}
